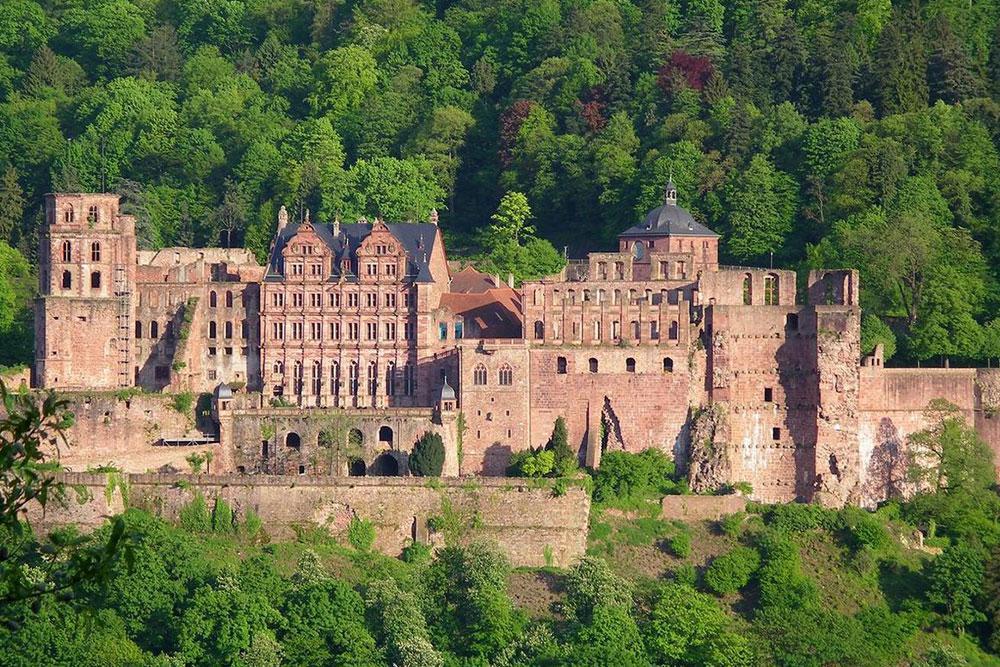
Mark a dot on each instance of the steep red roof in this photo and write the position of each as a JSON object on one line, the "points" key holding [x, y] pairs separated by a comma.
{"points": [[471, 281], [495, 313]]}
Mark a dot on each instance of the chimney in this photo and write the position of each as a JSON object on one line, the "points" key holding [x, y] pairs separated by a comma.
{"points": [[434, 216], [336, 226], [496, 280], [510, 280]]}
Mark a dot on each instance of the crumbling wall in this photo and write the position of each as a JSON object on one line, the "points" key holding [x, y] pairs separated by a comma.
{"points": [[709, 464], [533, 526]]}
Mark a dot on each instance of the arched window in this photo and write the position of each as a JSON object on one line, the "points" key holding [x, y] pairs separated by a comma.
{"points": [[630, 365], [69, 214], [213, 299], [279, 368], [747, 289], [372, 378], [138, 329], [636, 333], [352, 378], [538, 297], [561, 365], [390, 379], [93, 214], [293, 441], [616, 297], [154, 329], [229, 329], [674, 330], [95, 280], [597, 330], [539, 330], [600, 295], [95, 251], [297, 378], [572, 296], [792, 322], [593, 365], [67, 280], [668, 365], [212, 330], [479, 375], [317, 378], [67, 251], [334, 378], [771, 290], [506, 375], [229, 299]]}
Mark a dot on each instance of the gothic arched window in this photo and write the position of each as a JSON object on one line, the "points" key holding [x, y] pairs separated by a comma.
{"points": [[67, 251], [479, 375], [506, 375], [95, 251], [747, 289]]}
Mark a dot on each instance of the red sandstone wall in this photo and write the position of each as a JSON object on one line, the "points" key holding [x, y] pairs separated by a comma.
{"points": [[524, 520]]}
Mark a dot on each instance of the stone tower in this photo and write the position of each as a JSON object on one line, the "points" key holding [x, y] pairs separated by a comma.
{"points": [[85, 308]]}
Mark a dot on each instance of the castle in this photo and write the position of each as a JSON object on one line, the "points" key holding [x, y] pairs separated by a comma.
{"points": [[355, 339]]}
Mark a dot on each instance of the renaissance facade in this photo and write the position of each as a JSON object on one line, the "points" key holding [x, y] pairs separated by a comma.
{"points": [[652, 345]]}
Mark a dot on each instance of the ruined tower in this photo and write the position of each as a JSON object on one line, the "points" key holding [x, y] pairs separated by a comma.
{"points": [[84, 311]]}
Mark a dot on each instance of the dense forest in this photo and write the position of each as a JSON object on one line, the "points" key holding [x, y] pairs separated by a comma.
{"points": [[860, 133], [914, 584]]}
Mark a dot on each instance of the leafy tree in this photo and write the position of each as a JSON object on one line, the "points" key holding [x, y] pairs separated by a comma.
{"points": [[565, 458], [399, 625], [395, 189], [956, 580], [343, 77], [760, 204], [11, 202], [731, 571], [590, 585], [510, 222], [876, 332], [427, 458]]}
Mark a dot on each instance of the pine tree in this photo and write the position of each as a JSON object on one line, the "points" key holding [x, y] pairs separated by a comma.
{"points": [[902, 64], [11, 203], [950, 72]]}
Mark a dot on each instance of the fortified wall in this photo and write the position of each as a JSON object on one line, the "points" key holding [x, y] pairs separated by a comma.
{"points": [[533, 526]]}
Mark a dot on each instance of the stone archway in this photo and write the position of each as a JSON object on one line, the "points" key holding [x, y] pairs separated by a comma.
{"points": [[385, 465], [357, 468], [293, 441], [385, 437]]}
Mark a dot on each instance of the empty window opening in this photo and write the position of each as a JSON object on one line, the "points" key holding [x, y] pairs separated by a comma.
{"points": [[593, 365], [293, 441], [630, 365], [561, 365], [775, 433], [792, 322], [668, 365], [95, 280], [768, 395]]}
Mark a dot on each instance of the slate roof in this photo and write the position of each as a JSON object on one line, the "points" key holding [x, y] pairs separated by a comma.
{"points": [[669, 220], [417, 238]]}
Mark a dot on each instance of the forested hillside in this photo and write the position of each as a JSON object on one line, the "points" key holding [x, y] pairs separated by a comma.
{"points": [[808, 132]]}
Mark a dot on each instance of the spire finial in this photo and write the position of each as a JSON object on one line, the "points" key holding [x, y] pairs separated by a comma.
{"points": [[670, 192], [434, 216]]}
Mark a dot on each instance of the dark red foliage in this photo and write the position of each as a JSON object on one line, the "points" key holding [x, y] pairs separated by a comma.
{"points": [[592, 110], [684, 68], [510, 123]]}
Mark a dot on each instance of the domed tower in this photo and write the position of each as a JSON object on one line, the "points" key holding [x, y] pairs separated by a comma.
{"points": [[670, 243]]}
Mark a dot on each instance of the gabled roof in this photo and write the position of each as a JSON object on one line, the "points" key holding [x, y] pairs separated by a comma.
{"points": [[417, 239], [495, 313], [471, 281]]}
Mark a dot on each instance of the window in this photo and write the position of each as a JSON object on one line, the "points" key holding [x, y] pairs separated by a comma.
{"points": [[352, 378], [768, 395], [561, 365], [390, 331], [315, 330], [229, 299], [296, 330], [443, 331], [539, 330], [459, 330], [792, 322], [747, 289], [67, 251], [372, 269], [636, 332], [67, 280], [352, 300], [616, 330], [771, 290], [213, 299], [408, 329], [630, 365], [277, 299], [664, 270], [479, 375], [506, 375], [229, 329], [593, 365], [674, 330], [297, 300], [668, 365], [316, 269], [654, 330], [775, 433], [297, 378], [154, 329], [353, 330], [390, 269], [317, 378], [68, 214], [371, 330], [212, 330], [335, 378], [93, 214], [390, 300], [244, 329], [279, 368], [538, 297], [278, 330], [95, 251], [409, 380], [138, 329], [390, 379], [597, 330], [371, 300], [335, 299], [296, 269], [95, 280], [334, 330], [372, 379]]}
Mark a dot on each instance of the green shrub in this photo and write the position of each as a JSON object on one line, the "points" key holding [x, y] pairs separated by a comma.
{"points": [[867, 531], [222, 517], [531, 463], [624, 475], [782, 584], [732, 571], [427, 458], [361, 534], [252, 524], [565, 462], [799, 517], [680, 544], [590, 584], [417, 552], [194, 516], [732, 524], [183, 402], [686, 574]]}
